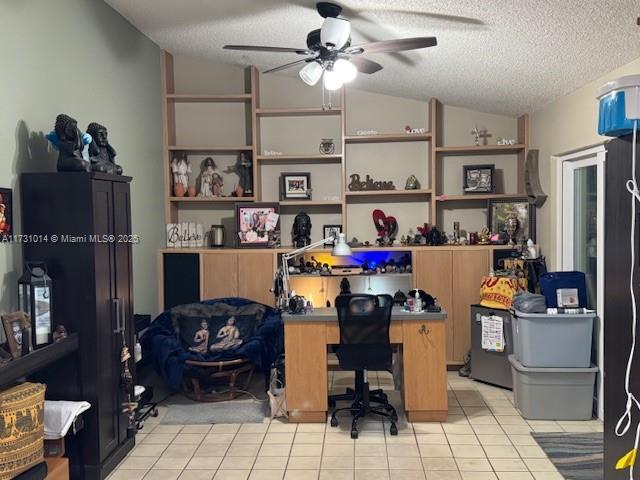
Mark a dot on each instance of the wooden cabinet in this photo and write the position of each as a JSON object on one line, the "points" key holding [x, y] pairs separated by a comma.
{"points": [[219, 273], [255, 276]]}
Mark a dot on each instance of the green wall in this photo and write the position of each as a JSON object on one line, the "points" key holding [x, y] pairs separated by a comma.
{"points": [[82, 58]]}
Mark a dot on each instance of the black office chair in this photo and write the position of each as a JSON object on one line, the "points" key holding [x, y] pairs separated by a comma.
{"points": [[364, 345]]}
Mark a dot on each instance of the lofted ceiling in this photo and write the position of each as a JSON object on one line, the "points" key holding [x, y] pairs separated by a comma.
{"points": [[506, 57]]}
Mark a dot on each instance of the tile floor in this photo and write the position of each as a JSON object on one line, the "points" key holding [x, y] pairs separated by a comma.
{"points": [[484, 438]]}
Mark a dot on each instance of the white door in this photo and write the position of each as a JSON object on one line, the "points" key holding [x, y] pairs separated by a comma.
{"points": [[580, 231]]}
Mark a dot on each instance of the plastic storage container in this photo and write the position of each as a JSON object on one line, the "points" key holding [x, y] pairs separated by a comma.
{"points": [[619, 103], [551, 282], [552, 341], [553, 393]]}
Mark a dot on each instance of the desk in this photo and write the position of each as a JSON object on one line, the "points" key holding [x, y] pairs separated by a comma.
{"points": [[422, 340]]}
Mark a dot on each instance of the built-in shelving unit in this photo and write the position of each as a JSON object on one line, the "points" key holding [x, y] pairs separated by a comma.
{"points": [[297, 112], [203, 98], [477, 197], [385, 193], [481, 150], [299, 158], [388, 138]]}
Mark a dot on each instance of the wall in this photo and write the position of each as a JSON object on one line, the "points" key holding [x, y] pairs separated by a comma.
{"points": [[82, 58], [566, 124]]}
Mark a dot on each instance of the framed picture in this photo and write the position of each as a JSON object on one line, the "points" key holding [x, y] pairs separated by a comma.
{"points": [[6, 214], [329, 230], [256, 224], [478, 178], [499, 210], [13, 324], [295, 186]]}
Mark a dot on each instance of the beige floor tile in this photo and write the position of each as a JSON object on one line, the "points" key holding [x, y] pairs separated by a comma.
{"points": [[253, 428], [170, 463], [197, 475], [455, 439], [370, 438], [435, 451], [522, 440], [204, 463], [478, 476], [306, 450], [342, 438], [494, 440], [456, 420], [539, 465], [372, 463], [237, 463], [196, 429], [487, 429], [249, 438], [168, 428], [473, 465], [137, 463], [303, 437], [225, 428], [439, 464], [274, 450], [266, 474], [468, 451], [405, 463], [301, 475], [180, 451], [338, 450], [547, 476], [511, 420], [514, 476], [431, 439], [530, 451], [407, 475], [127, 475], [370, 475], [505, 411], [148, 450], [280, 427], [337, 463], [214, 438], [271, 463], [243, 450], [516, 429], [508, 465], [211, 450], [303, 463], [336, 474], [231, 475], [483, 420], [188, 438], [427, 428], [472, 412], [443, 475], [403, 451], [501, 451], [311, 427], [156, 474], [158, 438], [370, 450]]}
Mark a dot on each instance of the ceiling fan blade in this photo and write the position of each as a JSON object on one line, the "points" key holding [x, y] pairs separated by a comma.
{"points": [[289, 65], [365, 66], [393, 46], [260, 48]]}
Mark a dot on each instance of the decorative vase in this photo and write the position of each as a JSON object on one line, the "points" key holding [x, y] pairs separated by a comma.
{"points": [[191, 191], [178, 190]]}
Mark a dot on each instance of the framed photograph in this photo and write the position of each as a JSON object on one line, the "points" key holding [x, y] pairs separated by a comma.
{"points": [[256, 224], [295, 186], [478, 178], [6, 214], [499, 210], [329, 230], [13, 324]]}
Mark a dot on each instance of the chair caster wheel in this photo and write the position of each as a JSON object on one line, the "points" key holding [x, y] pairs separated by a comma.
{"points": [[334, 422], [354, 434], [332, 403], [155, 412], [393, 430], [139, 425]]}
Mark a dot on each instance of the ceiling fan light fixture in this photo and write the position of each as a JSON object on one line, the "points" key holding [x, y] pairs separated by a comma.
{"points": [[332, 80], [311, 73], [345, 69], [335, 33]]}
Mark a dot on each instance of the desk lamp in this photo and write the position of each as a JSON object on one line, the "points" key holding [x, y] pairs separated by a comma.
{"points": [[340, 249]]}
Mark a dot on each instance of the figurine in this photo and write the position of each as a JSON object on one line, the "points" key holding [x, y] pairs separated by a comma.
{"points": [[532, 253], [511, 227], [327, 146], [354, 243], [60, 333], [228, 336], [387, 227], [201, 338], [345, 287], [181, 169], [478, 134], [101, 153], [301, 230], [244, 169], [483, 236], [211, 182], [456, 233], [69, 141], [434, 237], [412, 183]]}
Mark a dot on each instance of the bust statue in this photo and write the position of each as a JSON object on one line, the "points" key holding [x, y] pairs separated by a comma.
{"points": [[101, 153], [301, 231], [68, 139]]}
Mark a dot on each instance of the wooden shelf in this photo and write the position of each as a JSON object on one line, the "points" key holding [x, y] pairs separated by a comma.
{"points": [[388, 138], [378, 193], [211, 148], [38, 359], [296, 112], [340, 275], [211, 199], [289, 158], [202, 98], [478, 197], [310, 203], [482, 150]]}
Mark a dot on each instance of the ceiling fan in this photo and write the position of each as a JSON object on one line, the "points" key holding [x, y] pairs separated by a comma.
{"points": [[329, 52]]}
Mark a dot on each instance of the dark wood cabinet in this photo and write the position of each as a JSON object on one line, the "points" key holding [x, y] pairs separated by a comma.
{"points": [[80, 225]]}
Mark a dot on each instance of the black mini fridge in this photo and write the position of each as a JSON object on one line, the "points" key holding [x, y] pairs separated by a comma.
{"points": [[490, 367]]}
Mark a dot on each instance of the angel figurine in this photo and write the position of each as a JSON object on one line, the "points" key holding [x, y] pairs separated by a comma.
{"points": [[181, 168], [244, 169], [211, 182]]}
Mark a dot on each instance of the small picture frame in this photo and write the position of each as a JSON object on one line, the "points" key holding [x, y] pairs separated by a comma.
{"points": [[13, 324], [478, 178], [499, 209], [329, 230], [256, 224], [6, 214], [295, 186]]}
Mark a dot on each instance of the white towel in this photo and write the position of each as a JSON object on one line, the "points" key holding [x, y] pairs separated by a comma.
{"points": [[59, 415]]}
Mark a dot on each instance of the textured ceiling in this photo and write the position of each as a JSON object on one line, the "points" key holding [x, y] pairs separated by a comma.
{"points": [[497, 56]]}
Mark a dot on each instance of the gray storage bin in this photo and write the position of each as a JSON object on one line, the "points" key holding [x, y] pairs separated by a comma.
{"points": [[554, 341], [490, 367], [553, 393]]}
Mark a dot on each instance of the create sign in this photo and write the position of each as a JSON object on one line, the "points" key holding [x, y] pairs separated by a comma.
{"points": [[369, 184]]}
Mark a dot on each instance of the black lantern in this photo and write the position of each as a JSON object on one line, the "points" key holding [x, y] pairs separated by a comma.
{"points": [[34, 295]]}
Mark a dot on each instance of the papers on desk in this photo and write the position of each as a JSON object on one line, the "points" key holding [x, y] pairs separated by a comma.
{"points": [[492, 333]]}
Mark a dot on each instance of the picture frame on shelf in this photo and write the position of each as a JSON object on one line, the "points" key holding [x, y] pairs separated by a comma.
{"points": [[6, 214], [295, 186], [498, 210], [478, 179], [255, 222], [13, 324], [328, 230]]}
